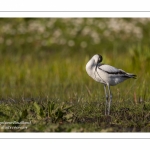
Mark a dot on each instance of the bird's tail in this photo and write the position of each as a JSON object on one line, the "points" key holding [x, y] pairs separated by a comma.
{"points": [[132, 75]]}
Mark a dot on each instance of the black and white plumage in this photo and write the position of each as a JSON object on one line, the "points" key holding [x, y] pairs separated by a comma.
{"points": [[107, 75]]}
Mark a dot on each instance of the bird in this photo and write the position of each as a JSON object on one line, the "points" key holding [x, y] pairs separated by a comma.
{"points": [[107, 75]]}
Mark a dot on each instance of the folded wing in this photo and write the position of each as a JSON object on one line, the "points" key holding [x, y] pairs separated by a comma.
{"points": [[114, 71]]}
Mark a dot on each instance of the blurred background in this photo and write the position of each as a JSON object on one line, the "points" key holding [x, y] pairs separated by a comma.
{"points": [[68, 36], [37, 54]]}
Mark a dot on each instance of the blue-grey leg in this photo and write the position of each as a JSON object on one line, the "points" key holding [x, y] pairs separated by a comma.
{"points": [[110, 99], [106, 104]]}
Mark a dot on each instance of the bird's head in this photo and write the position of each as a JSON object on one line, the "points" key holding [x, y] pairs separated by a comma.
{"points": [[97, 58]]}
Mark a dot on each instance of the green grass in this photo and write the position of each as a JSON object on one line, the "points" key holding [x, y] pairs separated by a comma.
{"points": [[46, 85]]}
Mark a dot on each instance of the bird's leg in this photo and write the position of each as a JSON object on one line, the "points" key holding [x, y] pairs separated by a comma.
{"points": [[106, 99], [110, 99]]}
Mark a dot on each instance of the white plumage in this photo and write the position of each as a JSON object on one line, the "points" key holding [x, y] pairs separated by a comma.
{"points": [[107, 75]]}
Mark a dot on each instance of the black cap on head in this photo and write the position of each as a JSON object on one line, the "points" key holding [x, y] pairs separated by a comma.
{"points": [[100, 58]]}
